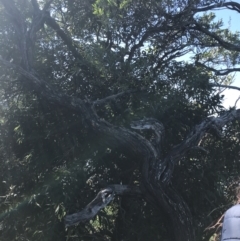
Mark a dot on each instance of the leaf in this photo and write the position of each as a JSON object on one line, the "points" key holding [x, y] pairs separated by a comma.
{"points": [[57, 209], [38, 204]]}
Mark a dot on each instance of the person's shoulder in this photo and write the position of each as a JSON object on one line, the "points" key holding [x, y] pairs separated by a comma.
{"points": [[234, 211]]}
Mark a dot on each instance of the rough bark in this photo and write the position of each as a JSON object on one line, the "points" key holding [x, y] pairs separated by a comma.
{"points": [[103, 198], [156, 169]]}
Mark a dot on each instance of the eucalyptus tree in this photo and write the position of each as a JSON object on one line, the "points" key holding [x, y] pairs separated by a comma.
{"points": [[81, 75]]}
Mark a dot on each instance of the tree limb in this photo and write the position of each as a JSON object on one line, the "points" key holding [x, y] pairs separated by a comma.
{"points": [[38, 19], [66, 39], [223, 43], [225, 86], [43, 88], [231, 5], [153, 124], [216, 71], [210, 124], [221, 73], [53, 24], [216, 226], [155, 172], [112, 97], [103, 198], [20, 30]]}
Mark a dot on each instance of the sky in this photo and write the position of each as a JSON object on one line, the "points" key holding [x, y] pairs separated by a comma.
{"points": [[231, 19]]}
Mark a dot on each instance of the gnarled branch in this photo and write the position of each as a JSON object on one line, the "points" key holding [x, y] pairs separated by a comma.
{"points": [[194, 138], [152, 124], [103, 198]]}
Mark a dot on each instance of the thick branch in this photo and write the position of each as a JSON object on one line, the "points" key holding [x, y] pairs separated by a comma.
{"points": [[38, 19], [46, 6], [150, 124], [126, 190], [223, 43], [70, 44], [155, 172], [231, 5], [26, 38], [15, 16], [103, 198], [193, 139], [163, 196], [52, 23], [139, 44], [43, 88], [22, 71], [66, 39], [20, 29]]}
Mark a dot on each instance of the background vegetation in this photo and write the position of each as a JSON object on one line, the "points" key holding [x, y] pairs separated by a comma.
{"points": [[53, 165]]}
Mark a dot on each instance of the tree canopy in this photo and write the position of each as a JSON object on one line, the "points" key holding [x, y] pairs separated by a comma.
{"points": [[114, 108]]}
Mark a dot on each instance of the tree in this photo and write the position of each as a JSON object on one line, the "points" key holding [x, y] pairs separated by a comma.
{"points": [[75, 74]]}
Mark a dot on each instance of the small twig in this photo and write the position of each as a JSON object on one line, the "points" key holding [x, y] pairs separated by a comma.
{"points": [[217, 225], [225, 86], [200, 148], [235, 105]]}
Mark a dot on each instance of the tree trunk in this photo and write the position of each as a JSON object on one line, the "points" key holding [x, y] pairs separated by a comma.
{"points": [[156, 170]]}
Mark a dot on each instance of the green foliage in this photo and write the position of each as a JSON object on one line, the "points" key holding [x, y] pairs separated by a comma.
{"points": [[51, 165]]}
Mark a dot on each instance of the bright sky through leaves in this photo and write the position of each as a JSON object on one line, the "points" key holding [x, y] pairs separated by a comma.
{"points": [[231, 20]]}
